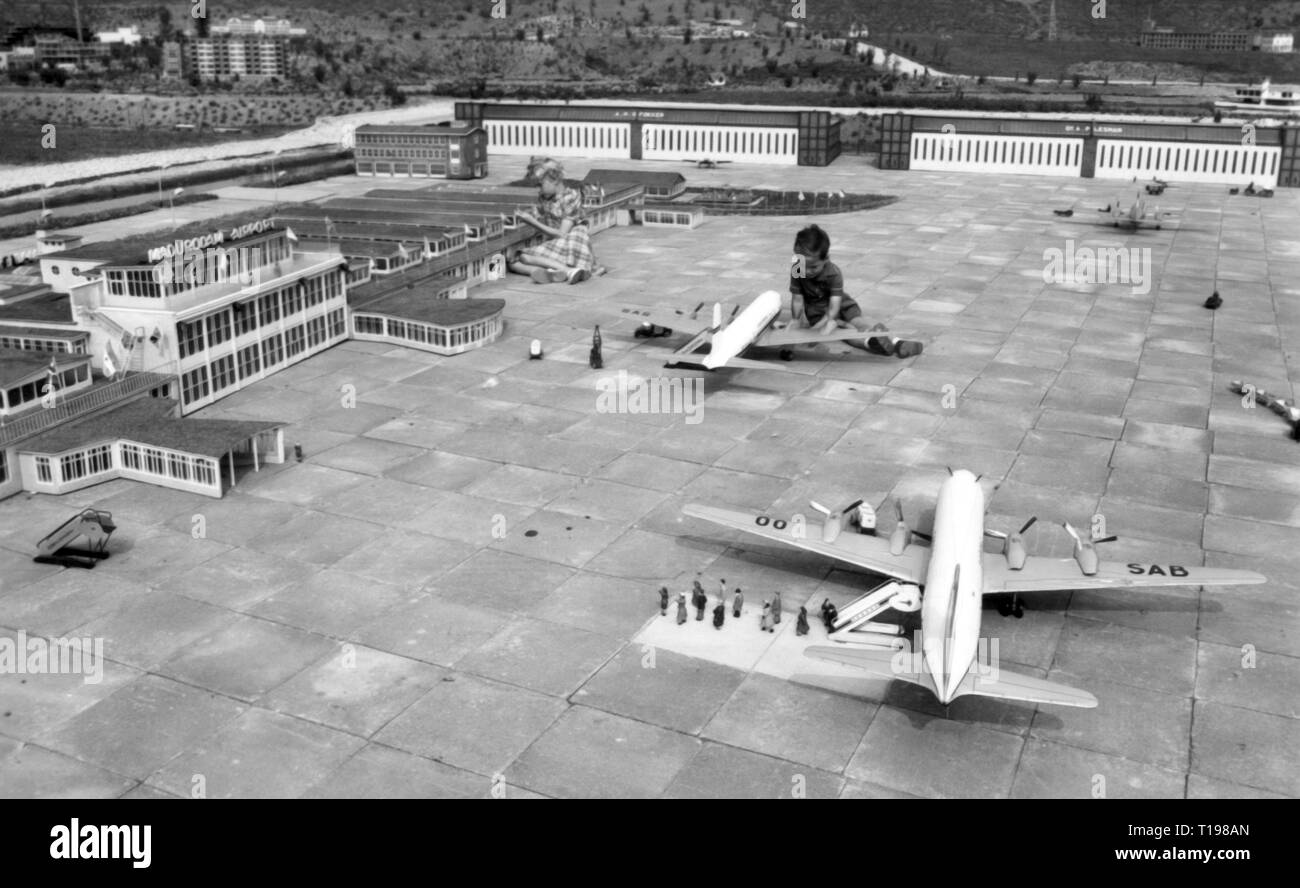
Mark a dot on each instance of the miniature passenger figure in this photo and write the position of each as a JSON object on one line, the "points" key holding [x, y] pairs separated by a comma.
{"points": [[701, 601], [776, 608], [567, 255], [829, 615], [681, 608], [801, 624], [765, 624], [597, 361], [719, 614], [663, 600], [722, 593], [817, 297], [737, 603]]}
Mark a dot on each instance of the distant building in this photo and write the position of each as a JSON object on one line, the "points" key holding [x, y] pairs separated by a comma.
{"points": [[173, 61], [61, 49], [126, 36], [656, 184], [456, 152], [1218, 41], [241, 27], [223, 58]]}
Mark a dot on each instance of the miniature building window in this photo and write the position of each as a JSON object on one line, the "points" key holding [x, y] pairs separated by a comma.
{"points": [[194, 385], [296, 340], [250, 361], [4, 467], [218, 328], [43, 470], [190, 337], [272, 351], [54, 269], [223, 373]]}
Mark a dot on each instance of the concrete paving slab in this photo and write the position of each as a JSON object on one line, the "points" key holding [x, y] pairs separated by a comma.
{"points": [[1241, 745], [801, 724], [719, 771], [1054, 771], [591, 754], [358, 690], [541, 656], [377, 772], [1236, 676], [330, 602], [143, 725], [31, 772], [661, 687], [246, 658], [316, 538], [1133, 723], [148, 631], [467, 722], [935, 758], [259, 755]]}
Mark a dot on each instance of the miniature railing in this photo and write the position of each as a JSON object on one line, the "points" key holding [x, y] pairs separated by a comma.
{"points": [[65, 409]]}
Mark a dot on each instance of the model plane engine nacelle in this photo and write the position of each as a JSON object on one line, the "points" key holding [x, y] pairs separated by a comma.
{"points": [[901, 536], [907, 599], [1013, 545], [835, 521], [1085, 551]]}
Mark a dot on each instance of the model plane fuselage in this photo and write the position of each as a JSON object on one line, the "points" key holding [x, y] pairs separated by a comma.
{"points": [[954, 584]]}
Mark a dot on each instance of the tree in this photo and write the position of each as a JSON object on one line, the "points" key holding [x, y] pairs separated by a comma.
{"points": [[1031, 77], [1076, 80], [164, 23], [1093, 102], [686, 36], [320, 72]]}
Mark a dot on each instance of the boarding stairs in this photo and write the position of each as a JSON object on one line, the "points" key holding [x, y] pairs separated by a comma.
{"points": [[856, 622], [95, 525], [131, 342]]}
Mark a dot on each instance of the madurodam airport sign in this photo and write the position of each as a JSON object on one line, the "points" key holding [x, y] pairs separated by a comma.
{"points": [[202, 242]]}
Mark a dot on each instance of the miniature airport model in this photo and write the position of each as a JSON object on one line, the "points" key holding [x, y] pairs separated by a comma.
{"points": [[729, 336], [951, 576], [1136, 216]]}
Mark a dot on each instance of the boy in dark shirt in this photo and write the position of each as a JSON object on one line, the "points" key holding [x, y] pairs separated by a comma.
{"points": [[817, 297]]}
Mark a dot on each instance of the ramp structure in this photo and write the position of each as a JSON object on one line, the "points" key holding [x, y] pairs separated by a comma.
{"points": [[96, 526]]}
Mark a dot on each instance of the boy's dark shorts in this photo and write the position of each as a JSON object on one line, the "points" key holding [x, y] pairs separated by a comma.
{"points": [[817, 313]]}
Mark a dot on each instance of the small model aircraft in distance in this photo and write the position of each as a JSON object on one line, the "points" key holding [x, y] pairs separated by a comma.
{"points": [[728, 334], [1137, 215], [947, 581], [706, 163]]}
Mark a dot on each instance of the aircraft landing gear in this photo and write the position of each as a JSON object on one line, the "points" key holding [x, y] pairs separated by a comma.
{"points": [[1012, 608], [787, 354]]}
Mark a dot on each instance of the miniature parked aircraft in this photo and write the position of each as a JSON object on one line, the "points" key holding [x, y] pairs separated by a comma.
{"points": [[956, 574], [728, 335], [1137, 215], [706, 163]]}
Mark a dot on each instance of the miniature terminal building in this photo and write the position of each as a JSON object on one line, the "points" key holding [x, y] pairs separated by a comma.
{"points": [[658, 132], [454, 152]]}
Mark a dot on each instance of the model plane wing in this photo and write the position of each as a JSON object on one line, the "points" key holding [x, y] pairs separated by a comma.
{"points": [[860, 550], [1001, 684], [881, 664], [670, 318], [1058, 574], [1006, 685], [773, 338]]}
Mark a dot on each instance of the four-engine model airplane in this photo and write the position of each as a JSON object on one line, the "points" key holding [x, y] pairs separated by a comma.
{"points": [[706, 163], [956, 574], [727, 335], [1137, 215]]}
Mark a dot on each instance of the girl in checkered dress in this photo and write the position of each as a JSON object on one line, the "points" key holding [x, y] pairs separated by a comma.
{"points": [[567, 255]]}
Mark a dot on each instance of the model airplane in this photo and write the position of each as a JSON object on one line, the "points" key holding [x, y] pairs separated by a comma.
{"points": [[706, 163], [1136, 216], [728, 335], [956, 574]]}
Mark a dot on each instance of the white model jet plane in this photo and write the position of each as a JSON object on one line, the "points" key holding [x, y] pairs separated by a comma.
{"points": [[1136, 216], [956, 574], [730, 334]]}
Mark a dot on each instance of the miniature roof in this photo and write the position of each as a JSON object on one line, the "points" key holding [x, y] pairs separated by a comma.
{"points": [[50, 307], [69, 333], [401, 129], [636, 177], [149, 421], [17, 366], [417, 304]]}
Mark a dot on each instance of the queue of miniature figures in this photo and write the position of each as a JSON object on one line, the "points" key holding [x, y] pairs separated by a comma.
{"points": [[768, 620]]}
